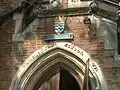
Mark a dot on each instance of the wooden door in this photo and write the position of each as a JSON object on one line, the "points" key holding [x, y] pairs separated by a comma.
{"points": [[61, 81], [52, 84]]}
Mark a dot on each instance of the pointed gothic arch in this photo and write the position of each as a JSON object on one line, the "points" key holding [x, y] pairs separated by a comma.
{"points": [[44, 63]]}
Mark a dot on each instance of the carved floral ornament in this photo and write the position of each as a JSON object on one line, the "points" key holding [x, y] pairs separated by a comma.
{"points": [[44, 63]]}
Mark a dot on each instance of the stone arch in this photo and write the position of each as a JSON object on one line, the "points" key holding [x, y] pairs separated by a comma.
{"points": [[49, 58]]}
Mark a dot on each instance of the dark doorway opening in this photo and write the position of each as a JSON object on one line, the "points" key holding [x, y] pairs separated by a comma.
{"points": [[63, 80], [67, 81]]}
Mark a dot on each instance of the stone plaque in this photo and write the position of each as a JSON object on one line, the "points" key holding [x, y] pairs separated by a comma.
{"points": [[59, 37], [78, 3]]}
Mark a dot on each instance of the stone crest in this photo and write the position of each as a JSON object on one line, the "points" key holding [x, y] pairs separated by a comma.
{"points": [[59, 25]]}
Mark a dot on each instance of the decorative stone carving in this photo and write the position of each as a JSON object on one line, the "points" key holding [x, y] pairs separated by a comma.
{"points": [[40, 66]]}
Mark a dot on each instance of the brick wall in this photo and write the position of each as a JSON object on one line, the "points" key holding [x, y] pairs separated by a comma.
{"points": [[13, 54], [6, 66], [6, 62]]}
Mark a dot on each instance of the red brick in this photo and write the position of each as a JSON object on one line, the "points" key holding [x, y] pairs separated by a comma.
{"points": [[11, 55]]}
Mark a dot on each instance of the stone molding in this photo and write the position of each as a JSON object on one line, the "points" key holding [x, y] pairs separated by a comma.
{"points": [[43, 63]]}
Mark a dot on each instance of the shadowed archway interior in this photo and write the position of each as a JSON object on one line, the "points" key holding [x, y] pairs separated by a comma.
{"points": [[67, 81], [63, 80]]}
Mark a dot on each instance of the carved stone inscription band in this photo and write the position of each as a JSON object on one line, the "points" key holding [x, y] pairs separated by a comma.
{"points": [[44, 61]]}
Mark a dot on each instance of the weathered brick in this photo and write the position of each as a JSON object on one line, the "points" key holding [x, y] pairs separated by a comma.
{"points": [[13, 54]]}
